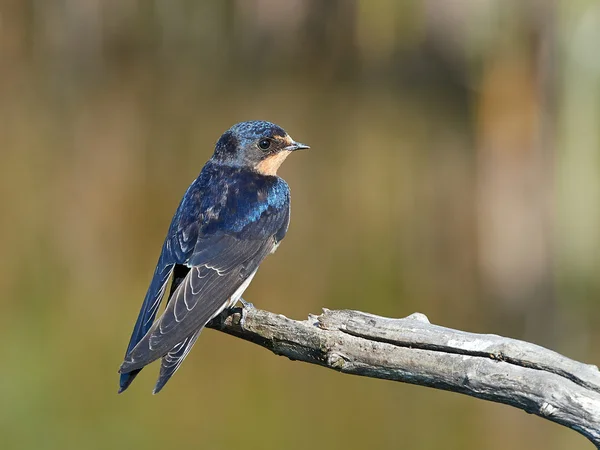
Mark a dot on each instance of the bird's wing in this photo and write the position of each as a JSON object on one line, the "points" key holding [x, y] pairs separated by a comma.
{"points": [[219, 265], [222, 265], [179, 244]]}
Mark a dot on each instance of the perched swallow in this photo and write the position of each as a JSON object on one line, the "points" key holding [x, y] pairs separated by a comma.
{"points": [[231, 217]]}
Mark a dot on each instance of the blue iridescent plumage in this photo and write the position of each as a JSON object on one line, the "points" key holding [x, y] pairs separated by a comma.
{"points": [[230, 218]]}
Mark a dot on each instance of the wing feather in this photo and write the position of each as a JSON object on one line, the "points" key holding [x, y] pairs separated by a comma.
{"points": [[202, 295], [178, 245], [172, 360], [156, 292]]}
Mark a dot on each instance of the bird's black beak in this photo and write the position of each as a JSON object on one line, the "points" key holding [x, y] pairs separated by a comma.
{"points": [[296, 146]]}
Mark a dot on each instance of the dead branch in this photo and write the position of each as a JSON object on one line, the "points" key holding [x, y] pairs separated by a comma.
{"points": [[517, 373]]}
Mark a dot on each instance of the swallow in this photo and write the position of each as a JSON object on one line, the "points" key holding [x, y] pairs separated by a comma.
{"points": [[231, 217]]}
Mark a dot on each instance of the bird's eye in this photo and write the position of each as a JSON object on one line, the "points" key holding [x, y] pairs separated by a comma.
{"points": [[264, 144]]}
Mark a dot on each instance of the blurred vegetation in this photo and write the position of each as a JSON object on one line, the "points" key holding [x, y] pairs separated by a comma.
{"points": [[454, 171]]}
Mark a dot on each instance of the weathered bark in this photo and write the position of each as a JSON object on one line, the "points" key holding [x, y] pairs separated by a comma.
{"points": [[490, 367]]}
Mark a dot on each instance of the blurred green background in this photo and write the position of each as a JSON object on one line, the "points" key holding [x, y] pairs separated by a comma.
{"points": [[454, 170]]}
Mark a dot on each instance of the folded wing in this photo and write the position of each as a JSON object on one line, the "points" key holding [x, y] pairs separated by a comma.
{"points": [[220, 266], [178, 246]]}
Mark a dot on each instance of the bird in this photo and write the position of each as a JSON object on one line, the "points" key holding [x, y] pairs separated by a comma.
{"points": [[232, 216]]}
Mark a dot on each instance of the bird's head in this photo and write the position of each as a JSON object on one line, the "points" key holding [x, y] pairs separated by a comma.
{"points": [[258, 145]]}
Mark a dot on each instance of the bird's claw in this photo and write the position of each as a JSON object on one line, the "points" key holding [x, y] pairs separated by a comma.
{"points": [[246, 306]]}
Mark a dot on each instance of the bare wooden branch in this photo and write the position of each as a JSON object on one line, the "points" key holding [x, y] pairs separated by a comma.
{"points": [[526, 376]]}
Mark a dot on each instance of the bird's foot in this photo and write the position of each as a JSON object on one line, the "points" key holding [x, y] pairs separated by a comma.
{"points": [[246, 306]]}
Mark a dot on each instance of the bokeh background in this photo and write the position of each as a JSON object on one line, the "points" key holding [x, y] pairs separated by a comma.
{"points": [[454, 170]]}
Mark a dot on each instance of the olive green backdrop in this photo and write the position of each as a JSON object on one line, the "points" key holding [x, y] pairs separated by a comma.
{"points": [[454, 170]]}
